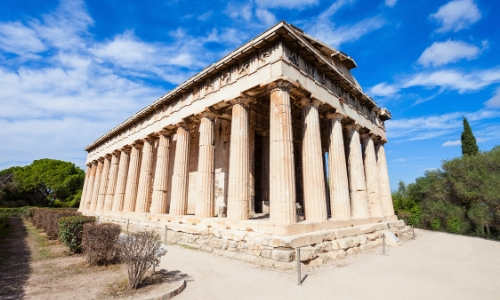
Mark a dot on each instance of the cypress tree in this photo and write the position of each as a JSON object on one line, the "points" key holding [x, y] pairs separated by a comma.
{"points": [[469, 146]]}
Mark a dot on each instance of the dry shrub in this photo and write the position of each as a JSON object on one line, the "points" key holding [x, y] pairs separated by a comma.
{"points": [[139, 251], [99, 242], [48, 219]]}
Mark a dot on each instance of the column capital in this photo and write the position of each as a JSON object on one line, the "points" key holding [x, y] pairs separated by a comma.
{"points": [[243, 100], [379, 140], [281, 84], [108, 156], [126, 148], [354, 126], [100, 159], [335, 116], [138, 144], [186, 124], [368, 134], [116, 152], [207, 113], [309, 101]]}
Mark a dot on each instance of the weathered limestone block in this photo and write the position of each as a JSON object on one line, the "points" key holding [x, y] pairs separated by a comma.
{"points": [[345, 243], [351, 231], [324, 247], [353, 250], [283, 255], [267, 252]]}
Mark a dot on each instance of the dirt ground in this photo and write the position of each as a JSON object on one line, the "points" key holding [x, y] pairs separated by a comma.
{"points": [[434, 266], [32, 267]]}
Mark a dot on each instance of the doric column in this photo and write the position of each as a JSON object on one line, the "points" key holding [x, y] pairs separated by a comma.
{"points": [[110, 190], [357, 186], [97, 182], [282, 192], [159, 199], [178, 202], [121, 181], [371, 175], [90, 187], [104, 183], [145, 178], [132, 178], [238, 202], [265, 173], [312, 163], [84, 189], [251, 170], [339, 184], [204, 207], [385, 187]]}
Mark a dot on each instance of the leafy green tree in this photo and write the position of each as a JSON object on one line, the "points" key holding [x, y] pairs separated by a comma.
{"points": [[469, 146], [43, 183]]}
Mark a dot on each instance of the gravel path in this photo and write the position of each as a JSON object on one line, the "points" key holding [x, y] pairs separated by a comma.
{"points": [[434, 266]]}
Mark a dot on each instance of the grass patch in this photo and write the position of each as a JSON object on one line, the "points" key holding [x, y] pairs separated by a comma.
{"points": [[41, 247]]}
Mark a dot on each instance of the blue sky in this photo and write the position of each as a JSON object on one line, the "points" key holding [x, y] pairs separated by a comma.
{"points": [[72, 70]]}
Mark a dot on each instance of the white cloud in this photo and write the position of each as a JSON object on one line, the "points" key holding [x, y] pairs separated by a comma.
{"points": [[454, 80], [236, 11], [495, 100], [390, 3], [205, 16], [452, 143], [428, 127], [296, 4], [265, 16], [19, 39], [457, 15], [383, 90], [442, 53]]}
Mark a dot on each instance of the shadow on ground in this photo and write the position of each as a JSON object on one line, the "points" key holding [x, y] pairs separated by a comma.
{"points": [[14, 259]]}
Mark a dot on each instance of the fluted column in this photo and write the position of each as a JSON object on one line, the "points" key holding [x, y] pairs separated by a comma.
{"points": [[265, 173], [337, 168], [178, 205], [238, 202], [159, 199], [371, 176], [132, 178], [145, 176], [357, 186], [110, 189], [97, 182], [251, 170], [121, 181], [282, 190], [84, 189], [104, 183], [90, 187], [204, 207], [312, 162], [385, 187]]}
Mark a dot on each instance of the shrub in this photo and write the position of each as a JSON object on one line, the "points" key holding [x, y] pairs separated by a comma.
{"points": [[139, 251], [48, 219], [71, 231], [99, 242], [25, 211]]}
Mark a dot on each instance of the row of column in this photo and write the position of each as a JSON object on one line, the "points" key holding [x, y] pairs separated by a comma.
{"points": [[359, 182]]}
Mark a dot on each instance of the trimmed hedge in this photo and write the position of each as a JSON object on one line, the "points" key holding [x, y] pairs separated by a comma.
{"points": [[48, 219], [99, 242], [26, 211], [71, 231]]}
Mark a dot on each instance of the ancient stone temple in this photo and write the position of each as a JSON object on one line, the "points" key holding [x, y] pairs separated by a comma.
{"points": [[274, 146]]}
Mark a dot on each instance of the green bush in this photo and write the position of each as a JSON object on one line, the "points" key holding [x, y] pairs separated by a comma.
{"points": [[436, 224], [25, 211], [71, 231]]}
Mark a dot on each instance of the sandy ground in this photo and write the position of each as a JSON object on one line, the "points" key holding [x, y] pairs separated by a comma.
{"points": [[434, 266]]}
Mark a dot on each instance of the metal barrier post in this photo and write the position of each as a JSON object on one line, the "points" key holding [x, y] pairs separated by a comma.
{"points": [[298, 267], [128, 220], [413, 230], [166, 234], [383, 244]]}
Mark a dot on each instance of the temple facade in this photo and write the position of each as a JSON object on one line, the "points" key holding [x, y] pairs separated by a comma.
{"points": [[276, 138]]}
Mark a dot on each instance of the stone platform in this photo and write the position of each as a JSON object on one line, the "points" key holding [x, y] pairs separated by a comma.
{"points": [[261, 242]]}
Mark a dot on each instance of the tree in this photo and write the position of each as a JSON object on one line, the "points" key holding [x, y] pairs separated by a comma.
{"points": [[469, 146], [43, 183]]}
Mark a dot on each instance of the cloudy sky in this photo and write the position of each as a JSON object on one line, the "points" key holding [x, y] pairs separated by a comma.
{"points": [[71, 70]]}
